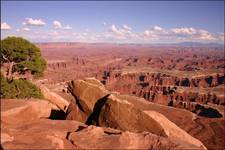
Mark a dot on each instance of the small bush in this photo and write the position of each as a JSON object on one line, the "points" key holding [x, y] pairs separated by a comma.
{"points": [[20, 88]]}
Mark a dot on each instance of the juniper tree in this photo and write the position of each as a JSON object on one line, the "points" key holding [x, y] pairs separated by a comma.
{"points": [[22, 56]]}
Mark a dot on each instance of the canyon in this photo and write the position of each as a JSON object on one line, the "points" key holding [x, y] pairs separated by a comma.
{"points": [[123, 96], [191, 78]]}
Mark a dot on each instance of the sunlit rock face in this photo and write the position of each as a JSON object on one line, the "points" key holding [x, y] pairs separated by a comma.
{"points": [[106, 109]]}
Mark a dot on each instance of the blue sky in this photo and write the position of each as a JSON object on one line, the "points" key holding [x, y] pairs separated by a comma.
{"points": [[114, 21]]}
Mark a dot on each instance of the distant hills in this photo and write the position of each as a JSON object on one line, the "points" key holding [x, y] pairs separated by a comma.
{"points": [[186, 44], [198, 44], [189, 44]]}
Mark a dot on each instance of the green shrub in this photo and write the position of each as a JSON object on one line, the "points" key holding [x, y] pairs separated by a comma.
{"points": [[20, 88], [23, 55], [7, 90]]}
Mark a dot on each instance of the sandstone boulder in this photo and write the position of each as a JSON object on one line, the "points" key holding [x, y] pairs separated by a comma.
{"points": [[87, 94], [54, 98], [74, 112], [198, 127], [14, 111], [120, 114], [94, 81], [103, 109], [68, 134], [112, 110], [40, 134], [107, 138], [173, 131]]}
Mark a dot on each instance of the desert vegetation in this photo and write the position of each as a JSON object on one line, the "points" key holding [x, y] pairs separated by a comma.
{"points": [[19, 88]]}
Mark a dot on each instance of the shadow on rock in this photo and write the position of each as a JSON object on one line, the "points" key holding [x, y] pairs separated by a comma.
{"points": [[94, 117]]}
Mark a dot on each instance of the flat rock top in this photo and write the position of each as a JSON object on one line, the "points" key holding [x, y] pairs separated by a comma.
{"points": [[7, 104], [54, 126], [175, 115], [40, 134]]}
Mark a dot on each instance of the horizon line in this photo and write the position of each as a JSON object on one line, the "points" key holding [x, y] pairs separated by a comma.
{"points": [[131, 43]]}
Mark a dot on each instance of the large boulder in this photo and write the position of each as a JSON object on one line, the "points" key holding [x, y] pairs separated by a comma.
{"points": [[121, 114], [40, 134], [74, 112], [173, 131], [112, 110], [86, 95], [15, 111], [107, 138], [68, 134], [103, 109], [202, 128], [94, 81]]}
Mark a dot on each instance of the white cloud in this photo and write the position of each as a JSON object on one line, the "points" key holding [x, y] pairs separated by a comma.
{"points": [[25, 29], [193, 34], [104, 23], [151, 35], [147, 32], [180, 34], [154, 33], [126, 27], [221, 36], [5, 26], [34, 22], [53, 33], [67, 27], [158, 28], [57, 24], [185, 31], [205, 35], [155, 30], [115, 30], [121, 34]]}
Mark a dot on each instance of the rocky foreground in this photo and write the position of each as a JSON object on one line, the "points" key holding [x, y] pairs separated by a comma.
{"points": [[95, 119]]}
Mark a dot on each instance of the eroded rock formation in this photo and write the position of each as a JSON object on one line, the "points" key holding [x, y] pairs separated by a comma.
{"points": [[192, 94], [107, 110]]}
